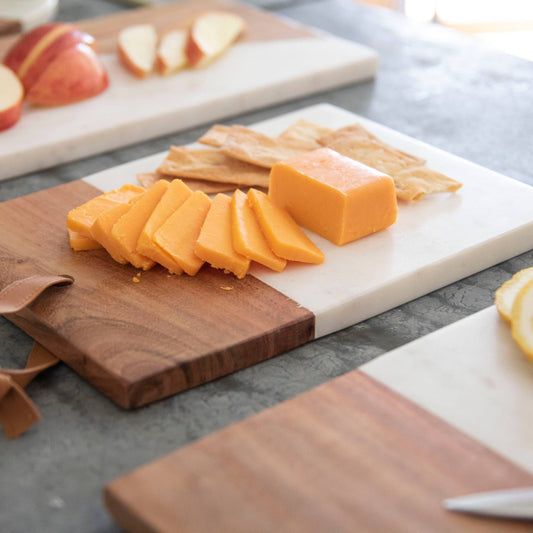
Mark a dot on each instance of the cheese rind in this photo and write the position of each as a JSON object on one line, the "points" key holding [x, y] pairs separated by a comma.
{"points": [[128, 228], [214, 243], [82, 218], [247, 237], [178, 235], [333, 195], [173, 198], [284, 236]]}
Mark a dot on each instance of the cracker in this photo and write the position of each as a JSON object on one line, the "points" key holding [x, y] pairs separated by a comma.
{"points": [[305, 133], [258, 149], [414, 183], [212, 165], [147, 179], [215, 136]]}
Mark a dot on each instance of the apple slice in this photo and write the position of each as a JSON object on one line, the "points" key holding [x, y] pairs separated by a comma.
{"points": [[33, 52], [171, 52], [137, 49], [11, 97], [75, 74], [210, 35]]}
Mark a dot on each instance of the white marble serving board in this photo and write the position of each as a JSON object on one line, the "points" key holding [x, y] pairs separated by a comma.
{"points": [[435, 242], [251, 75], [473, 375]]}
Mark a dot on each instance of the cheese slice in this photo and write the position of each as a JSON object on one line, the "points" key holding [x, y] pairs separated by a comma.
{"points": [[247, 237], [82, 218], [214, 243], [178, 235], [175, 195], [128, 228], [102, 227], [284, 236], [333, 195], [80, 242]]}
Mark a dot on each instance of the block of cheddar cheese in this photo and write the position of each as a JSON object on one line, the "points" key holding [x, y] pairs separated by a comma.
{"points": [[82, 218], [128, 228], [173, 198], [247, 237], [214, 244], [333, 195], [178, 235], [284, 236], [79, 242]]}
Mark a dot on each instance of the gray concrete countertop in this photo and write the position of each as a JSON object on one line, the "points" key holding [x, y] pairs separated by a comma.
{"points": [[433, 84]]}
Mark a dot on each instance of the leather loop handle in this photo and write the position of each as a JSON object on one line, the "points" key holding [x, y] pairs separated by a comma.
{"points": [[20, 293]]}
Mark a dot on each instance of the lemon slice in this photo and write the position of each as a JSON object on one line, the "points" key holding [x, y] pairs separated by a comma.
{"points": [[522, 318], [506, 294]]}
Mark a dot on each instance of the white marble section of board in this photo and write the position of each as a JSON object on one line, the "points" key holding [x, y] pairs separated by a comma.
{"points": [[249, 76], [435, 242], [473, 375]]}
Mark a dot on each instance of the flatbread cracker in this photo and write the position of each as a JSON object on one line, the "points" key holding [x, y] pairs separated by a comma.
{"points": [[258, 149], [147, 179], [305, 133], [212, 165], [215, 136], [414, 183]]}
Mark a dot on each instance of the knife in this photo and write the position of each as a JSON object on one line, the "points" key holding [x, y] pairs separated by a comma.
{"points": [[510, 503]]}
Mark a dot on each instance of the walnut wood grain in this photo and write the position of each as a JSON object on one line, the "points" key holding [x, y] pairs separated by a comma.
{"points": [[261, 26], [350, 455], [138, 342]]}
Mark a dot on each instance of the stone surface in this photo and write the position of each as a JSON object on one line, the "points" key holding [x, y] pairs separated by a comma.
{"points": [[433, 84]]}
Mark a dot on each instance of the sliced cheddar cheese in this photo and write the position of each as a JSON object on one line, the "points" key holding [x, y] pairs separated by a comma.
{"points": [[214, 243], [102, 227], [247, 237], [284, 236], [82, 218], [128, 228], [175, 195], [79, 242], [333, 195], [178, 235]]}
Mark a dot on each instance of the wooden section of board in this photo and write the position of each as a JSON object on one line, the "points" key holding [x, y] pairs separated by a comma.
{"points": [[350, 455], [138, 342], [178, 15]]}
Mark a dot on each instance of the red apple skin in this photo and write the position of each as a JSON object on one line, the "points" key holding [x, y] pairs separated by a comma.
{"points": [[193, 52], [11, 116], [63, 41], [75, 74], [17, 53]]}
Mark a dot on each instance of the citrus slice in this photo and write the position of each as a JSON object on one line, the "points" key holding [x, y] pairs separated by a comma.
{"points": [[506, 294], [522, 318]]}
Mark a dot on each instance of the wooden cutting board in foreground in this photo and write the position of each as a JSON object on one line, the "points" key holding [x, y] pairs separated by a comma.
{"points": [[139, 342], [274, 61], [350, 455]]}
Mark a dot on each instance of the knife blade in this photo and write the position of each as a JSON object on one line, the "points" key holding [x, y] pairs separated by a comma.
{"points": [[509, 503]]}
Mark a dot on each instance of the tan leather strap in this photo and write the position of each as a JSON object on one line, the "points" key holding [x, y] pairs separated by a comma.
{"points": [[17, 411]]}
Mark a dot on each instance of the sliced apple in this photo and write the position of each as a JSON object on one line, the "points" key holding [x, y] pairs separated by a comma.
{"points": [[75, 74], [210, 35], [137, 49], [33, 52], [171, 52], [11, 95]]}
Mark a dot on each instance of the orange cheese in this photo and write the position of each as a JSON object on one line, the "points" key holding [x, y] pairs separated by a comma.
{"points": [[128, 228], [284, 236], [177, 236], [82, 218], [333, 195], [102, 227], [214, 242], [247, 237], [80, 242], [176, 193]]}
